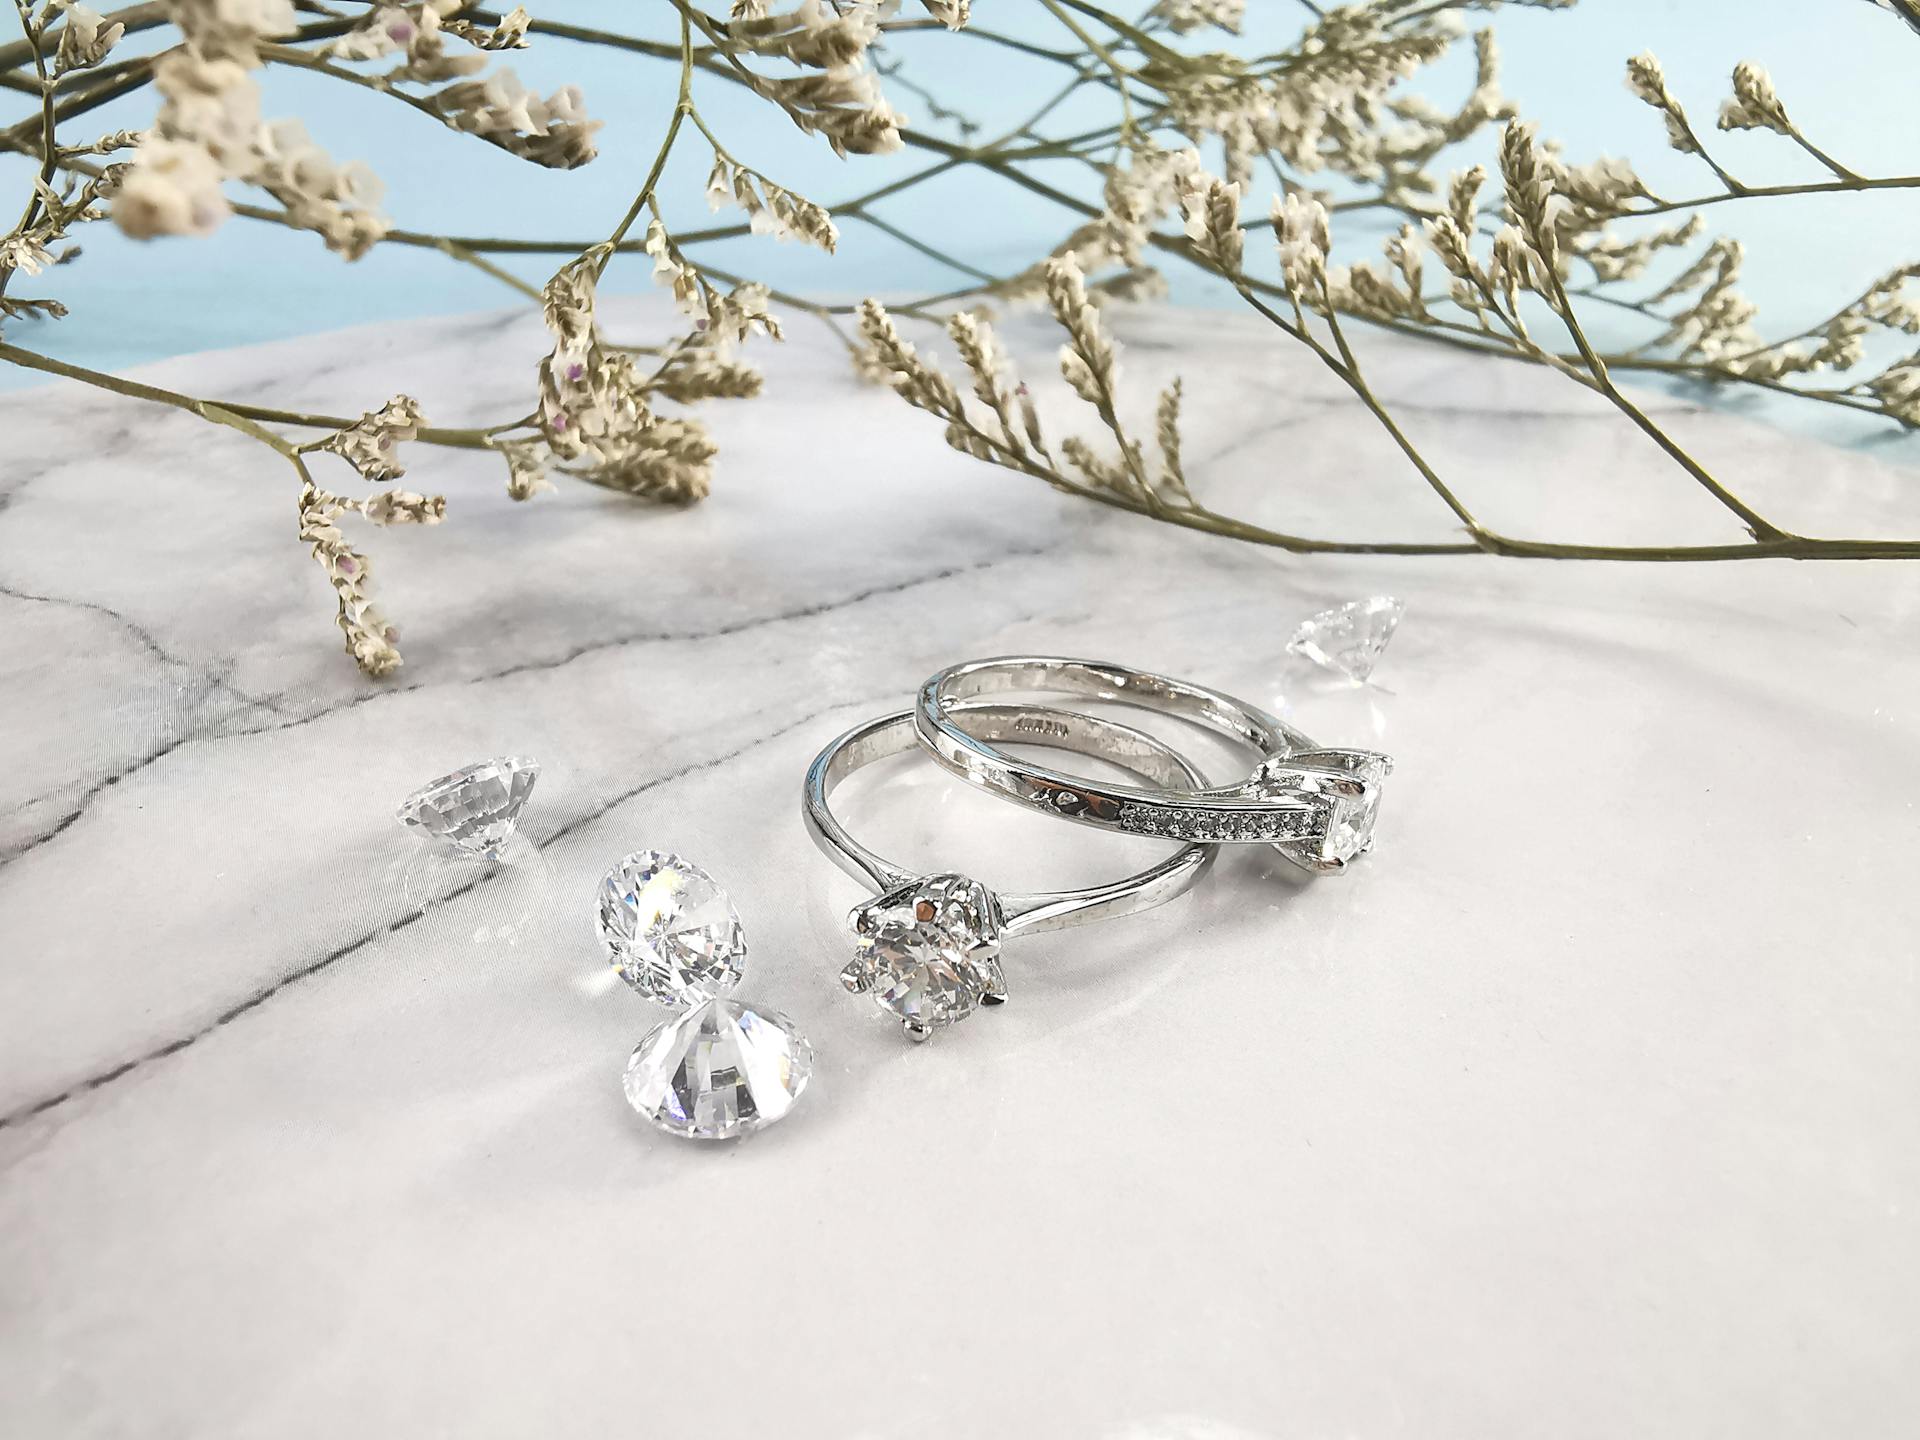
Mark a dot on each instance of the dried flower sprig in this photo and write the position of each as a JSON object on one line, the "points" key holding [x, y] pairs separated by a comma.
{"points": [[1331, 123]]}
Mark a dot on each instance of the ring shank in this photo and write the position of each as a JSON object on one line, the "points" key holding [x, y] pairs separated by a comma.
{"points": [[1122, 684], [1233, 813], [1133, 750]]}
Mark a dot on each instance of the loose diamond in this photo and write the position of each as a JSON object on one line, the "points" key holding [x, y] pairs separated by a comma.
{"points": [[929, 952], [475, 808], [669, 930], [1348, 639], [718, 1071]]}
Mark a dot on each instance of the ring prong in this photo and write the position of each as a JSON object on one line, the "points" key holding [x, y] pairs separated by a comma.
{"points": [[917, 1031]]}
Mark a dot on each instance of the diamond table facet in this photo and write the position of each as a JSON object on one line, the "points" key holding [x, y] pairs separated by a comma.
{"points": [[929, 952], [476, 808], [1349, 639], [719, 1071], [669, 929]]}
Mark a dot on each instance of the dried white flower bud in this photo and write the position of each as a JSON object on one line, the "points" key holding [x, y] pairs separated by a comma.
{"points": [[1754, 105]]}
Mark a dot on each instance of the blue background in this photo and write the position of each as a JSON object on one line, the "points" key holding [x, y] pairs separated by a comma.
{"points": [[1844, 68]]}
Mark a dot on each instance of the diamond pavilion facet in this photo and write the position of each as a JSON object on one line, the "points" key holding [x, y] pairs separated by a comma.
{"points": [[474, 809], [718, 1071], [929, 952], [669, 930], [1349, 639]]}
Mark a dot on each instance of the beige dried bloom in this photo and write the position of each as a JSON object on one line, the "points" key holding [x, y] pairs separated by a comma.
{"points": [[1173, 477], [728, 317], [527, 460], [1897, 388], [835, 97], [917, 381], [812, 34], [1887, 303], [1088, 361], [173, 189], [771, 209], [1405, 251], [370, 636], [404, 507], [554, 131], [1648, 80], [509, 34], [672, 269], [1185, 16], [1533, 207], [953, 14], [590, 395], [28, 248], [595, 414], [208, 131], [418, 33], [1615, 258], [986, 362], [85, 38], [1754, 105], [372, 443], [669, 459], [1318, 110], [1212, 210], [845, 108], [334, 201], [1300, 225]]}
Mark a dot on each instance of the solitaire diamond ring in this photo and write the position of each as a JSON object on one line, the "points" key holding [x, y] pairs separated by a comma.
{"points": [[927, 948], [1313, 804]]}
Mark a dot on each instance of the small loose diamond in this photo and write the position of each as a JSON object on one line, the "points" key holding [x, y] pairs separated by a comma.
{"points": [[929, 952], [474, 809], [719, 1071], [669, 930], [1349, 639]]}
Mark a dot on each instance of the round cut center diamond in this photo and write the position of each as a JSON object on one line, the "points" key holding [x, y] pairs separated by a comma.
{"points": [[929, 952], [669, 929], [719, 1071]]}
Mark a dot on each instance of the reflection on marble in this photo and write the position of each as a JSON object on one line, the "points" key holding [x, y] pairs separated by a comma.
{"points": [[1584, 1108]]}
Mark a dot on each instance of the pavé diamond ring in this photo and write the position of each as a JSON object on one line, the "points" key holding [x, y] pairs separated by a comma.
{"points": [[927, 948], [1315, 805]]}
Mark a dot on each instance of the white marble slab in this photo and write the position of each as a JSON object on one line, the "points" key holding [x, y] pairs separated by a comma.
{"points": [[1585, 1109]]}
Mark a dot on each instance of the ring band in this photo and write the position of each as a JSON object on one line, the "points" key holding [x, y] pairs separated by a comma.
{"points": [[1315, 805], [928, 946]]}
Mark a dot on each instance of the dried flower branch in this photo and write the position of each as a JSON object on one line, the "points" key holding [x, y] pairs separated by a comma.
{"points": [[1330, 123]]}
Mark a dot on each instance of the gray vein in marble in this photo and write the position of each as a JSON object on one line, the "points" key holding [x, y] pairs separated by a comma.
{"points": [[307, 971], [210, 682], [59, 826]]}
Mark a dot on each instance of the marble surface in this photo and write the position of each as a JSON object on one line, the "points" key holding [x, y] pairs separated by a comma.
{"points": [[1585, 1108]]}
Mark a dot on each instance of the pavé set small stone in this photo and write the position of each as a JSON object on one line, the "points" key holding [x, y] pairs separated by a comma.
{"points": [[927, 947]]}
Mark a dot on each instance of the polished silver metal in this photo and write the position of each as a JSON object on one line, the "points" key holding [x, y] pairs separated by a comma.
{"points": [[992, 916], [1313, 804]]}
